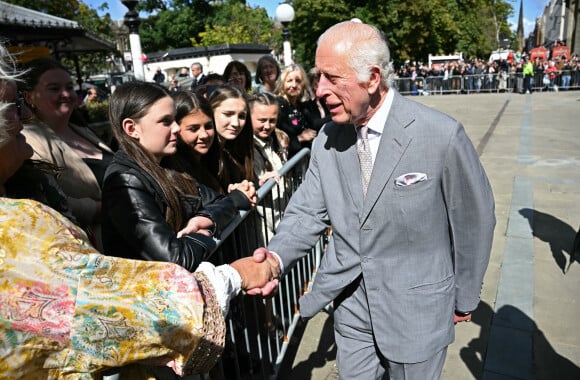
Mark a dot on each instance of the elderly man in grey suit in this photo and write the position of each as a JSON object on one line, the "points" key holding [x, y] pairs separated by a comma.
{"points": [[411, 241]]}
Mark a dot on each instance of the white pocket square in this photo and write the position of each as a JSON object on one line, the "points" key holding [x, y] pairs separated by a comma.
{"points": [[410, 178]]}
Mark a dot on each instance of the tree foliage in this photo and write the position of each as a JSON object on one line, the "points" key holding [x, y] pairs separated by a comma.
{"points": [[413, 29], [61, 8], [74, 10], [172, 28], [236, 23], [88, 18]]}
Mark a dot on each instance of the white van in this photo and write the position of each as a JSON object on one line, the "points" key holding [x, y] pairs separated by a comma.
{"points": [[498, 55], [442, 59]]}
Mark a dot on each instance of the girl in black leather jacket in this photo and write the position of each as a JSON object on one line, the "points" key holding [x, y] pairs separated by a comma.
{"points": [[149, 212]]}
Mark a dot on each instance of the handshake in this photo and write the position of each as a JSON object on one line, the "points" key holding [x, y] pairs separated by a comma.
{"points": [[260, 273]]}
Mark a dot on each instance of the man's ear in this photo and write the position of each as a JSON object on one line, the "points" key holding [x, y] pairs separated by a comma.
{"points": [[130, 128], [374, 81]]}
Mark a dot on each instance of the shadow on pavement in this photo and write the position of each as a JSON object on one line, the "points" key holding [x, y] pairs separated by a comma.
{"points": [[558, 234], [318, 358], [473, 354], [514, 354]]}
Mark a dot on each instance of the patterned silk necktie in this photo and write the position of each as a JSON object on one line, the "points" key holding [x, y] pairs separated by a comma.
{"points": [[365, 157]]}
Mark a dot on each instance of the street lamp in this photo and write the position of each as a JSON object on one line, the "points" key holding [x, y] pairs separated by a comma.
{"points": [[285, 15], [132, 21]]}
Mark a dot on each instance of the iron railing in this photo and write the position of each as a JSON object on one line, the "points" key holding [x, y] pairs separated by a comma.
{"points": [[259, 330], [485, 83]]}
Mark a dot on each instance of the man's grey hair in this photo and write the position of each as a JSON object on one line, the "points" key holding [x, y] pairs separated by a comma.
{"points": [[7, 74], [367, 47]]}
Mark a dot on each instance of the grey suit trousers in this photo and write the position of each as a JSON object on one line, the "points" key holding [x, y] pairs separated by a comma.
{"points": [[358, 356]]}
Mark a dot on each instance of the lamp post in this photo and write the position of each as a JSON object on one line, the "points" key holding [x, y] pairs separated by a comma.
{"points": [[132, 21], [285, 15]]}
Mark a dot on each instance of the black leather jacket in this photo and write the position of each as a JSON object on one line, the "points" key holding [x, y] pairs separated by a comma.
{"points": [[133, 214]]}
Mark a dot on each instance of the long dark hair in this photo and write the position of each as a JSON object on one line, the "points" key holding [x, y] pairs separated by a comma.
{"points": [[132, 100], [185, 161], [237, 156]]}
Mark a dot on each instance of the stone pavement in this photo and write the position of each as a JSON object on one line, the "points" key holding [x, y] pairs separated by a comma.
{"points": [[527, 324]]}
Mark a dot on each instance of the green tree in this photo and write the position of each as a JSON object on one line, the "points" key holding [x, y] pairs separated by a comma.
{"points": [[184, 23], [74, 10], [312, 17], [174, 24], [235, 23], [171, 29], [61, 8], [88, 18], [413, 29]]}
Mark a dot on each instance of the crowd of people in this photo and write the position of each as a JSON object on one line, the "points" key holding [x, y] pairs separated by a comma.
{"points": [[183, 164], [518, 73], [118, 237], [65, 193]]}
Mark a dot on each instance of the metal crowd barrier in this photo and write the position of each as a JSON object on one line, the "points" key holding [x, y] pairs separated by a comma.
{"points": [[484, 83], [259, 330]]}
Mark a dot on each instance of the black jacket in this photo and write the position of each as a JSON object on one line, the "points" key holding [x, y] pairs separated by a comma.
{"points": [[133, 214], [294, 121]]}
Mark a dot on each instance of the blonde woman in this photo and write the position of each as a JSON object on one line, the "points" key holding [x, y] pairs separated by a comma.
{"points": [[296, 118]]}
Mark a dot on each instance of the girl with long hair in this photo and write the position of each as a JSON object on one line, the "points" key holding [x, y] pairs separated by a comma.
{"points": [[196, 140], [234, 139], [150, 212]]}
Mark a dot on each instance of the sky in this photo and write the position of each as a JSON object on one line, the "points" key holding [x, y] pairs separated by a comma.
{"points": [[118, 10], [532, 9]]}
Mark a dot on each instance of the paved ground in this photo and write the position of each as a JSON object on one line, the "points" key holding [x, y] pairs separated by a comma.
{"points": [[526, 326]]}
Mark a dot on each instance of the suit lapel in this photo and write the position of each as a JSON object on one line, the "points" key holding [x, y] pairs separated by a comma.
{"points": [[394, 142]]}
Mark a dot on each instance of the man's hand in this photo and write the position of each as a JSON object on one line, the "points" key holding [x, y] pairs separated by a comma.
{"points": [[259, 273], [269, 288], [461, 318]]}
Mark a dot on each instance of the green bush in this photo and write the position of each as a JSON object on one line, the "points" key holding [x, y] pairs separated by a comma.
{"points": [[97, 111]]}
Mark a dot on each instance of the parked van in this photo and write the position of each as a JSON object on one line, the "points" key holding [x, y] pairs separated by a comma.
{"points": [[442, 59], [498, 55]]}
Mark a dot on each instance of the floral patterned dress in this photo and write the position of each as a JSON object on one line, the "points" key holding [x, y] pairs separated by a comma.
{"points": [[68, 312]]}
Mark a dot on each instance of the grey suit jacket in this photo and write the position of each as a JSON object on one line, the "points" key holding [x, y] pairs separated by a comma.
{"points": [[422, 249]]}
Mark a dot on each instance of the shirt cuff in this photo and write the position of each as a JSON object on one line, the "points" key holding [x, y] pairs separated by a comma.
{"points": [[279, 262], [225, 280]]}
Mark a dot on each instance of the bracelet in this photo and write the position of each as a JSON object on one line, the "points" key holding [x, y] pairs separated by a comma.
{"points": [[462, 313]]}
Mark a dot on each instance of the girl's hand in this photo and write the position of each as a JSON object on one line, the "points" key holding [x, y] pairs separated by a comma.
{"points": [[247, 188], [267, 176], [198, 224]]}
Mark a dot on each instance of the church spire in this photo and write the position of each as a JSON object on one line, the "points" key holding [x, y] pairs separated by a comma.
{"points": [[520, 31]]}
